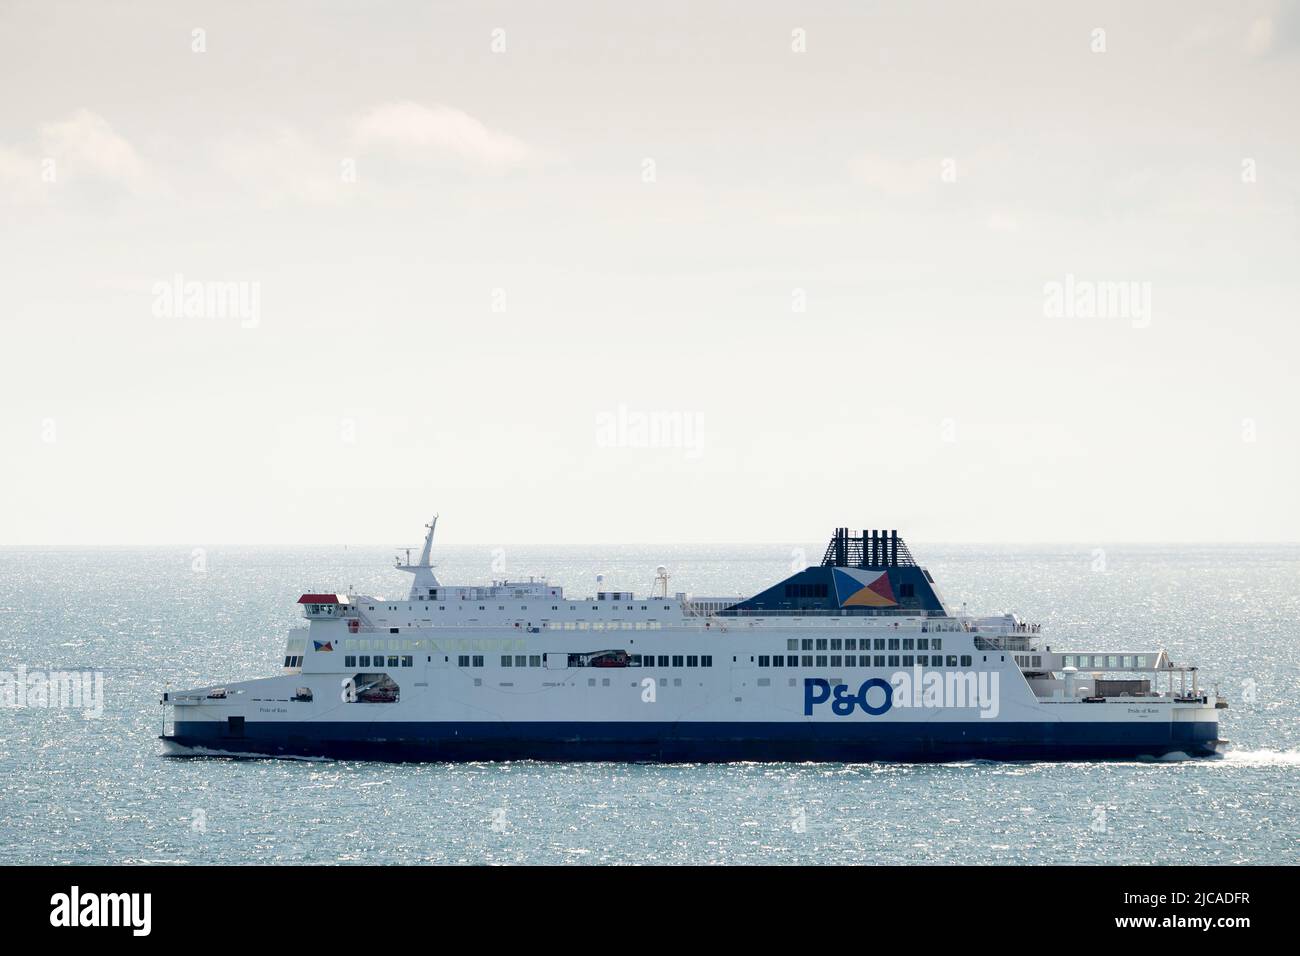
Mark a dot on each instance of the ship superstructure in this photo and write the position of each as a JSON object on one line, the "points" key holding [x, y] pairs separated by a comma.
{"points": [[855, 659]]}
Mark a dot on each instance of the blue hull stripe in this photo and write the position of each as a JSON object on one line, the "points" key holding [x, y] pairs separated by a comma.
{"points": [[711, 742]]}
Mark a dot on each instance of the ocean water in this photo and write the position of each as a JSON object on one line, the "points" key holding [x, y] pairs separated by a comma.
{"points": [[74, 789]]}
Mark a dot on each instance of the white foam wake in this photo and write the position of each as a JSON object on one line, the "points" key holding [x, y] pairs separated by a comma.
{"points": [[1264, 758]]}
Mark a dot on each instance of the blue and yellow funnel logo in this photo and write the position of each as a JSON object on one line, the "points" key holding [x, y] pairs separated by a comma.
{"points": [[863, 588]]}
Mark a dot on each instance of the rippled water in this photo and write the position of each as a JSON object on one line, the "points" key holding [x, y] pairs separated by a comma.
{"points": [[77, 790]]}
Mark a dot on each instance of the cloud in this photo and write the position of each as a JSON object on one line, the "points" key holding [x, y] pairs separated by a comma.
{"points": [[88, 147], [411, 127], [83, 148]]}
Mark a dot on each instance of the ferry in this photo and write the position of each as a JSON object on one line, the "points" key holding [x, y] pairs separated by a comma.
{"points": [[856, 659]]}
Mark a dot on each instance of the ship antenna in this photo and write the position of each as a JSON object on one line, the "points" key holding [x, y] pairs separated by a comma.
{"points": [[424, 580]]}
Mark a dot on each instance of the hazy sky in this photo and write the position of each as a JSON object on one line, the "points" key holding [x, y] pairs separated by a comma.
{"points": [[649, 272]]}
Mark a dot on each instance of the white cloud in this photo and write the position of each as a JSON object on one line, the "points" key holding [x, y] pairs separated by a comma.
{"points": [[85, 145], [408, 126], [83, 148]]}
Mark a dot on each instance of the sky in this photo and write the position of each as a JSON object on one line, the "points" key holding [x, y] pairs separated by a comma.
{"points": [[682, 272]]}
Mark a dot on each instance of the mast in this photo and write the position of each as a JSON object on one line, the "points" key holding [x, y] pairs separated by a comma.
{"points": [[424, 580]]}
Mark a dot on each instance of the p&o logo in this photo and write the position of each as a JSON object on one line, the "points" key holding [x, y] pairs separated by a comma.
{"points": [[817, 690]]}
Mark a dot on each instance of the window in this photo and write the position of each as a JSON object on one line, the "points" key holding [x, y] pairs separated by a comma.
{"points": [[392, 661], [922, 643], [836, 644], [392, 630], [777, 661], [965, 660], [706, 660], [462, 660], [851, 644], [478, 660], [893, 643], [350, 661], [907, 660], [807, 660], [907, 643], [893, 660], [791, 661], [952, 660], [880, 660], [923, 659], [678, 660], [521, 660], [807, 644], [692, 660], [764, 660], [821, 643], [936, 644], [365, 660], [792, 644], [880, 644], [506, 660], [663, 660], [837, 660], [821, 660], [851, 660]]}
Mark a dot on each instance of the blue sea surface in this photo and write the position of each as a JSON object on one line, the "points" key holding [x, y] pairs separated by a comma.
{"points": [[74, 789]]}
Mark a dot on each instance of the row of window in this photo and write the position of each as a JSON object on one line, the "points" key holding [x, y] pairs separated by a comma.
{"points": [[502, 607], [806, 591], [1109, 661], [867, 644], [864, 660], [365, 660]]}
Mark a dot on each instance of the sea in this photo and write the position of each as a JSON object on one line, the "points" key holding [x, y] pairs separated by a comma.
{"points": [[81, 788]]}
